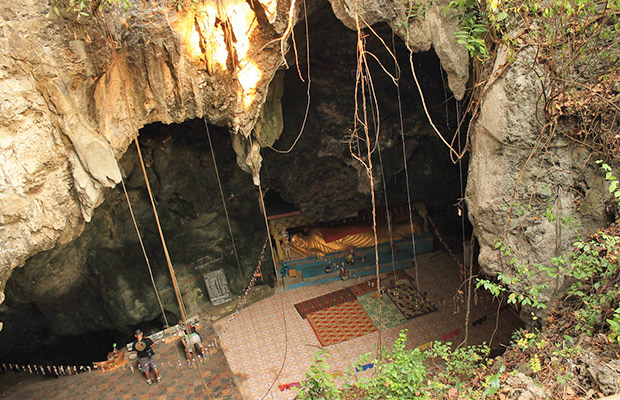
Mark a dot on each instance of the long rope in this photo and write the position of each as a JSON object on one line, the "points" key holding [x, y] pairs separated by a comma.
{"points": [[469, 287], [175, 284], [404, 146], [262, 204], [388, 218], [173, 276], [148, 187], [376, 126], [360, 76], [219, 184], [430, 120], [146, 258], [387, 212], [461, 203]]}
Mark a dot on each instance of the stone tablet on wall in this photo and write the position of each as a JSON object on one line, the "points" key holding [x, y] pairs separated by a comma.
{"points": [[217, 287]]}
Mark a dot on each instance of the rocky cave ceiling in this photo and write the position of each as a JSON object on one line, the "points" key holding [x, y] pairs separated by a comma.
{"points": [[99, 281]]}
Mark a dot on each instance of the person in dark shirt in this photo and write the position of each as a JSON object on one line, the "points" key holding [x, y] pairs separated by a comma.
{"points": [[146, 356]]}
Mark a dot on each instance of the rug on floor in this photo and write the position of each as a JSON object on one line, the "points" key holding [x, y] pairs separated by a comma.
{"points": [[340, 323], [387, 280], [410, 302], [322, 302], [362, 288], [390, 314]]}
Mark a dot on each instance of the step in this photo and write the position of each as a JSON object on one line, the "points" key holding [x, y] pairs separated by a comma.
{"points": [[292, 283]]}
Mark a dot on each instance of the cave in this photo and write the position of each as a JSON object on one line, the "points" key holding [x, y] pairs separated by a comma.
{"points": [[95, 290]]}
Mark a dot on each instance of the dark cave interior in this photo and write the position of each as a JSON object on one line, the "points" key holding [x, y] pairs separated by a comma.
{"points": [[69, 304]]}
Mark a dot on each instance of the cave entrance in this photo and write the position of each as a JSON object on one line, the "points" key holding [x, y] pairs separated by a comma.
{"points": [[318, 179]]}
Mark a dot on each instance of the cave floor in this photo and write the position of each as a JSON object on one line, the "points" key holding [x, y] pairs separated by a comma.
{"points": [[179, 380], [270, 345]]}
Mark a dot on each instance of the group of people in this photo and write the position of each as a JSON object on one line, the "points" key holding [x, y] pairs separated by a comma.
{"points": [[143, 346]]}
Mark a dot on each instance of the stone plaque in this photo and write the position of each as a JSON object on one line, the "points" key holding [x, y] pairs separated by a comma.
{"points": [[217, 287]]}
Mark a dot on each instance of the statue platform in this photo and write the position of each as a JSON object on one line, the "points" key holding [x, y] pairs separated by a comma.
{"points": [[311, 270]]}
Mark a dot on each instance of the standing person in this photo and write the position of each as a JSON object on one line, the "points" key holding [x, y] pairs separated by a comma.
{"points": [[146, 356], [190, 338]]}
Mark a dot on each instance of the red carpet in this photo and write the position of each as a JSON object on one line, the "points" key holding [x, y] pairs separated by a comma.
{"points": [[340, 323], [322, 302]]}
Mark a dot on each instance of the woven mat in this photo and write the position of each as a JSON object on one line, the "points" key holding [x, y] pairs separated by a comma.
{"points": [[390, 314], [322, 302], [340, 323], [410, 302], [362, 288], [386, 282]]}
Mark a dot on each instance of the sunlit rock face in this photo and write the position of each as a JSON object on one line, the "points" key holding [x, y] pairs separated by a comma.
{"points": [[75, 93]]}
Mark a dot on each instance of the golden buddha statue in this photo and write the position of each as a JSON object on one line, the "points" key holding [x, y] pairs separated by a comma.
{"points": [[347, 237]]}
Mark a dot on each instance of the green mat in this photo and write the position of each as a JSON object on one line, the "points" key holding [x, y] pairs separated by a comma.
{"points": [[390, 314]]}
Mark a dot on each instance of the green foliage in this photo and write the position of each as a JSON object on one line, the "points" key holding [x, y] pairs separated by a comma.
{"points": [[414, 374], [473, 26], [578, 41], [532, 296], [595, 268], [404, 377], [614, 187], [413, 9], [491, 383], [614, 326], [319, 384], [534, 363], [525, 340], [461, 365]]}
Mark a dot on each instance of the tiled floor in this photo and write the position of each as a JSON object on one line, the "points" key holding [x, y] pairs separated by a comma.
{"points": [[179, 381], [270, 344]]}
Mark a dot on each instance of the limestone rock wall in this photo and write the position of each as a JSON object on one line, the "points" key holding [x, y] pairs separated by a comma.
{"points": [[517, 174], [74, 93], [420, 25]]}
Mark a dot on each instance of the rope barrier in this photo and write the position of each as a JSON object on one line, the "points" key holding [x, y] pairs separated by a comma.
{"points": [[173, 276], [404, 147]]}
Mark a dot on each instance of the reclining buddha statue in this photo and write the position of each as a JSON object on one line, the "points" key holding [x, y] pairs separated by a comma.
{"points": [[323, 240]]}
